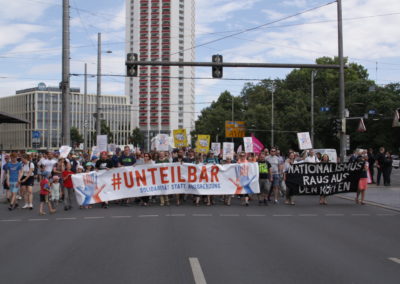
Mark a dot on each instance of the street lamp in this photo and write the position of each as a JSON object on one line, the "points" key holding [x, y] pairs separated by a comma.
{"points": [[313, 74]]}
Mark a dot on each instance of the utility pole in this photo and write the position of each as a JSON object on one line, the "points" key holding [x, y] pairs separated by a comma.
{"points": [[66, 127], [341, 82], [98, 128], [85, 117], [272, 115], [313, 74]]}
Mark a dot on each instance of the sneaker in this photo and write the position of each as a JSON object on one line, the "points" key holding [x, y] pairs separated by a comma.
{"points": [[276, 202], [66, 208], [19, 197], [25, 206]]}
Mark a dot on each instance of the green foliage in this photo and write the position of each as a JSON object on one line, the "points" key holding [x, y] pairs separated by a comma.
{"points": [[292, 109], [76, 137], [137, 138]]}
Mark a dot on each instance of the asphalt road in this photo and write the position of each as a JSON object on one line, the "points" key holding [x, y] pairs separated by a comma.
{"points": [[307, 243]]}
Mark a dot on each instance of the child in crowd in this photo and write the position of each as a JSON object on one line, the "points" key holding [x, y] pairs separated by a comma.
{"points": [[44, 195], [55, 190]]}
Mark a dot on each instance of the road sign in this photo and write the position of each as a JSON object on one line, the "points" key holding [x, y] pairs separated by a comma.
{"points": [[35, 134], [235, 129], [35, 139]]}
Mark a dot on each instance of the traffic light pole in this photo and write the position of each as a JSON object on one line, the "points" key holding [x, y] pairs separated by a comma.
{"points": [[341, 82]]}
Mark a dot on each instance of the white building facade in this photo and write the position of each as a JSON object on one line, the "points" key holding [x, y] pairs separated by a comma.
{"points": [[162, 98], [42, 107]]}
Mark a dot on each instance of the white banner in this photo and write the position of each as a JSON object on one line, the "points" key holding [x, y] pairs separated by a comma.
{"points": [[164, 179]]}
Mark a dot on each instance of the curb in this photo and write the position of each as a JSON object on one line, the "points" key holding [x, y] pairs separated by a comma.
{"points": [[372, 203]]}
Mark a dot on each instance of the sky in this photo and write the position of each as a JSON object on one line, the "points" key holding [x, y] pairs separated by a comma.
{"points": [[291, 31]]}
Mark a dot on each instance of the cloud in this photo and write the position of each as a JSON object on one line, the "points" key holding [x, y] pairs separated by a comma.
{"points": [[15, 33], [24, 10]]}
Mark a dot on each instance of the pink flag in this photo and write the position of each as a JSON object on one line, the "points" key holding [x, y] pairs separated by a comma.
{"points": [[257, 145]]}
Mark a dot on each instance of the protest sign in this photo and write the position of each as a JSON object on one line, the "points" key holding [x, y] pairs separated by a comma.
{"points": [[323, 178], [180, 138], [64, 151], [248, 144], [304, 140], [164, 179], [228, 150], [203, 144], [101, 142], [162, 142], [216, 148], [95, 152]]}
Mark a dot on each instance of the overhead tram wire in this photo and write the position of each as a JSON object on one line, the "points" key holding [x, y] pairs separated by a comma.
{"points": [[256, 27]]}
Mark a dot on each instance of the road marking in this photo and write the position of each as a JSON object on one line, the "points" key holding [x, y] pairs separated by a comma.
{"points": [[255, 215], [61, 219], [308, 215], [229, 215], [92, 218], [175, 215], [146, 216], [120, 217], [202, 215], [395, 259], [282, 215], [387, 214], [360, 214], [34, 220], [13, 220], [197, 271], [334, 214]]}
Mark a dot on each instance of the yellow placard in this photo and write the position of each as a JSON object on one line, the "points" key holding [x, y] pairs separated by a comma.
{"points": [[180, 138], [235, 129], [203, 144]]}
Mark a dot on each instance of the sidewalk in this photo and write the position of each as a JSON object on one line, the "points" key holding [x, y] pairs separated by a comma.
{"points": [[386, 196]]}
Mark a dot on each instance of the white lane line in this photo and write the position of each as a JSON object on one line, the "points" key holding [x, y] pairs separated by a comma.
{"points": [[282, 215], [197, 271], [360, 214], [308, 215], [229, 215], [13, 220], [92, 218], [147, 216], [387, 214], [61, 219], [255, 215], [334, 214], [202, 215], [35, 220], [120, 217], [175, 215], [395, 259]]}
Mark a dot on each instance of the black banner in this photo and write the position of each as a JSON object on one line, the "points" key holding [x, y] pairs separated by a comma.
{"points": [[323, 178]]}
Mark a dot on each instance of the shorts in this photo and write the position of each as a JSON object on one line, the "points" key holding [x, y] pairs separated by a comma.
{"points": [[264, 185], [276, 180], [44, 198], [13, 187], [29, 181]]}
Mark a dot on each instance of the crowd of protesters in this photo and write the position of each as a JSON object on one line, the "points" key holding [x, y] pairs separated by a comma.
{"points": [[53, 173]]}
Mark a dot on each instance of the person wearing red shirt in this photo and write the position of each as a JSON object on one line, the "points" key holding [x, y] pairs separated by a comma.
{"points": [[68, 186], [44, 195]]}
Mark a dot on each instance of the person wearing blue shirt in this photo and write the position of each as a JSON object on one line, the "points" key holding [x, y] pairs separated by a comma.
{"points": [[14, 173]]}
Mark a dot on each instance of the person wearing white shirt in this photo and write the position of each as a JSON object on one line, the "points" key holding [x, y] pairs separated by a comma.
{"points": [[48, 164], [311, 158]]}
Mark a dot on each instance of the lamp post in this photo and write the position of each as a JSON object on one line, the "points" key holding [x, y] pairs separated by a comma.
{"points": [[272, 114], [313, 74]]}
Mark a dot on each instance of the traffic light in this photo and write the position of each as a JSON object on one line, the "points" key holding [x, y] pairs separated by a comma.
{"points": [[336, 127], [217, 71], [131, 68]]}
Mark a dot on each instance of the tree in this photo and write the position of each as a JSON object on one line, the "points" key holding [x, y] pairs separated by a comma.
{"points": [[76, 137], [292, 108], [104, 130], [137, 138]]}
